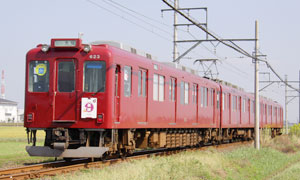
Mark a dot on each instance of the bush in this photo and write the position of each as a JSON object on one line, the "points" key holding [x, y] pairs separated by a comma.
{"points": [[295, 130]]}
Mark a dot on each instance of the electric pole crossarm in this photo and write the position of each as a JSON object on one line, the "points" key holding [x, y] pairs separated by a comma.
{"points": [[203, 24], [279, 81], [183, 9], [212, 40], [291, 99], [187, 51], [266, 86]]}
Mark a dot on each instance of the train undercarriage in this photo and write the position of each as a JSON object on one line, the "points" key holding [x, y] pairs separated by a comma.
{"points": [[75, 143]]}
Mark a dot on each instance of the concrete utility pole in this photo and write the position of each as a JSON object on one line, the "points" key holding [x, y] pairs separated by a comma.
{"points": [[286, 104], [257, 143], [175, 51]]}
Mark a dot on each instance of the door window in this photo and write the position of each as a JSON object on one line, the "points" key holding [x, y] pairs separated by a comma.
{"points": [[66, 76]]}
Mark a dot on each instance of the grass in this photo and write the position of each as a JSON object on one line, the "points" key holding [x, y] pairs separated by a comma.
{"points": [[13, 140], [277, 159]]}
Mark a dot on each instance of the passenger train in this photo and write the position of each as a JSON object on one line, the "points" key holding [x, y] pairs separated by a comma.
{"points": [[106, 98]]}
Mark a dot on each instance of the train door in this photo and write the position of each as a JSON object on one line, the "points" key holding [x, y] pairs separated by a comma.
{"points": [[142, 101], [117, 92], [213, 104], [65, 95], [172, 98], [229, 107]]}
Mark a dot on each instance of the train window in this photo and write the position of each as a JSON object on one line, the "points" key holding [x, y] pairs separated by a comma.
{"points": [[186, 93], [158, 87], [223, 101], [228, 101], [142, 83], [139, 83], [66, 76], [181, 92], [212, 97], [155, 87], [244, 105], [144, 78], [127, 81], [239, 104], [172, 89], [94, 76], [234, 103], [195, 93], [204, 96], [218, 99], [38, 80], [161, 88]]}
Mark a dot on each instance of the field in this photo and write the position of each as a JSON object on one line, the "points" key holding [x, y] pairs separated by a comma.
{"points": [[278, 159], [13, 140]]}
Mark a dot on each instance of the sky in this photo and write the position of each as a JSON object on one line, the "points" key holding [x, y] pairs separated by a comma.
{"points": [[142, 25]]}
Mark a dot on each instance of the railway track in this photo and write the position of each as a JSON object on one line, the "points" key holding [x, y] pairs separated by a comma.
{"points": [[60, 167]]}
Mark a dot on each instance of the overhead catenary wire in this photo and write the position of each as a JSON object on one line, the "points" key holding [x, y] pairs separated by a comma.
{"points": [[130, 21], [140, 19], [237, 48], [237, 70]]}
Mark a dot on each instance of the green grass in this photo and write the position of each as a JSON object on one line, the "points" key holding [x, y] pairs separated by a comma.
{"points": [[291, 173], [240, 163], [13, 141]]}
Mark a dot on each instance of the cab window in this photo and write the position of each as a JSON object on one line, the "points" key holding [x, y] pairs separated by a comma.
{"points": [[38, 80], [94, 76]]}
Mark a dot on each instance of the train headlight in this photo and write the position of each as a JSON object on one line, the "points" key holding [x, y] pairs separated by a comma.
{"points": [[87, 48], [45, 47]]}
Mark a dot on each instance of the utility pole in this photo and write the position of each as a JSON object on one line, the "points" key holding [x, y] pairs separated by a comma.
{"points": [[286, 104], [299, 97], [257, 143], [175, 51]]}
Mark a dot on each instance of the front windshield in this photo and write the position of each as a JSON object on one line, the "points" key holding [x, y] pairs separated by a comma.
{"points": [[94, 76], [38, 80]]}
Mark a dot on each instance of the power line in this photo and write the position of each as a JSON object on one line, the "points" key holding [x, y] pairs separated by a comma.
{"points": [[140, 14], [109, 2], [128, 20], [237, 48]]}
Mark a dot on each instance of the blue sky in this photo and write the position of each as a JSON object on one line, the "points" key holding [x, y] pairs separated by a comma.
{"points": [[24, 24]]}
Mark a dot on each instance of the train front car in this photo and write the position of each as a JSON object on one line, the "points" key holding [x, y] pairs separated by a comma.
{"points": [[66, 96]]}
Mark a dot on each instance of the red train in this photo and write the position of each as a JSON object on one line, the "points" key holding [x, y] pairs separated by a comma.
{"points": [[107, 98]]}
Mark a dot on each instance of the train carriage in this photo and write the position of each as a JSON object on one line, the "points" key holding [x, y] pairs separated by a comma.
{"points": [[107, 98]]}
